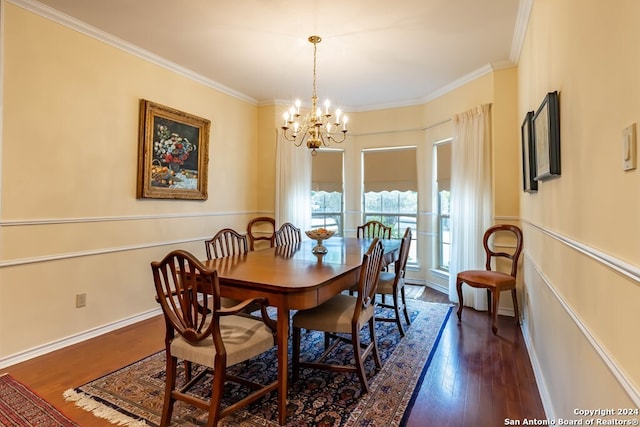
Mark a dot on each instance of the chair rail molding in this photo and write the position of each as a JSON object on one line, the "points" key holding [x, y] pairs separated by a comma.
{"points": [[80, 220], [609, 261], [622, 267]]}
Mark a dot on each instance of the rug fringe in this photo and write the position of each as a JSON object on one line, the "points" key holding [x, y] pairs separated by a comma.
{"points": [[100, 410]]}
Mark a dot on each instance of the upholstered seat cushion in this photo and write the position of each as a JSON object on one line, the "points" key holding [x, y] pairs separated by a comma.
{"points": [[334, 315], [385, 282], [244, 337], [487, 279]]}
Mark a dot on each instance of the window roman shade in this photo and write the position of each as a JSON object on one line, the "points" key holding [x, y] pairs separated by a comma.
{"points": [[326, 171], [388, 170]]}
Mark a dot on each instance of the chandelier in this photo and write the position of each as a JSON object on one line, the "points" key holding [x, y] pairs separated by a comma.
{"points": [[315, 128]]}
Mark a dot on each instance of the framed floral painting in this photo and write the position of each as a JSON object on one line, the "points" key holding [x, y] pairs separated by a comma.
{"points": [[173, 153]]}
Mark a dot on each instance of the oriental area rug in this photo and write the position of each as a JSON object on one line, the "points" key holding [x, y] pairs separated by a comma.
{"points": [[21, 407], [133, 395]]}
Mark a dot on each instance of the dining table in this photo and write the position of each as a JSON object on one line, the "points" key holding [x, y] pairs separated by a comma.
{"points": [[292, 277]]}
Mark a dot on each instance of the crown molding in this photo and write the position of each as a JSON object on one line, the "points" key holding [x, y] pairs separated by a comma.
{"points": [[88, 30]]}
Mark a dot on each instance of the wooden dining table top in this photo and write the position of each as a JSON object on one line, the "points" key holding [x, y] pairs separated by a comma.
{"points": [[293, 270]]}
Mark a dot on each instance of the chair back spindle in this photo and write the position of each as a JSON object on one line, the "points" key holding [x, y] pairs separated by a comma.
{"points": [[373, 229], [226, 242], [288, 234]]}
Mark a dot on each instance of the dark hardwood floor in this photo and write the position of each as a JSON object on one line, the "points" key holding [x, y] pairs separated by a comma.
{"points": [[475, 378]]}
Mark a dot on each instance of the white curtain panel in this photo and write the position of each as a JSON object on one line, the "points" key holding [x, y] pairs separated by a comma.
{"points": [[471, 204], [293, 185]]}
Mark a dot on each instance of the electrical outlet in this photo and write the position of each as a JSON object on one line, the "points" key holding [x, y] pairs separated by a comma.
{"points": [[81, 300]]}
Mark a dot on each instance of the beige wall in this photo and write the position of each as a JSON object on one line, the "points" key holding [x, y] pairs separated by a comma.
{"points": [[71, 222], [582, 233]]}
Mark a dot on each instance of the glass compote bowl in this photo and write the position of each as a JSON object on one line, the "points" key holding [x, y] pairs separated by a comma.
{"points": [[319, 235]]}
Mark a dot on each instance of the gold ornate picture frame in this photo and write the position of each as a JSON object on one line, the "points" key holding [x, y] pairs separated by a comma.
{"points": [[173, 153]]}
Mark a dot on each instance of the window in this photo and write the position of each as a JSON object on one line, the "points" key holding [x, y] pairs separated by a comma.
{"points": [[327, 198], [443, 182], [391, 190], [444, 230]]}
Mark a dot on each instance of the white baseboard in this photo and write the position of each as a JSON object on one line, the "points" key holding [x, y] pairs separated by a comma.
{"points": [[74, 339]]}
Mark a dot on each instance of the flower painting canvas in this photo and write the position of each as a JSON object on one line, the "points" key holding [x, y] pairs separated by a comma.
{"points": [[173, 153]]}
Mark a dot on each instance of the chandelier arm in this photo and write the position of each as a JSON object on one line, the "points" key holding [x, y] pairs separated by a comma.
{"points": [[341, 140]]}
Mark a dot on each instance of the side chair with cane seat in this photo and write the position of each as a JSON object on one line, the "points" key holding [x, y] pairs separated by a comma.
{"points": [[344, 314], [288, 234], [392, 284], [215, 339], [261, 232], [494, 281]]}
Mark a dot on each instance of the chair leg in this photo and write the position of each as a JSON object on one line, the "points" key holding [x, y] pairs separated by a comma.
{"points": [[217, 390], [496, 302], [460, 300], [515, 305], [295, 358], [357, 352], [396, 309], [404, 304], [374, 340], [167, 408], [187, 371]]}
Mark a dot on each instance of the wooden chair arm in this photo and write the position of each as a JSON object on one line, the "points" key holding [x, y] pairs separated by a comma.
{"points": [[241, 306], [240, 310]]}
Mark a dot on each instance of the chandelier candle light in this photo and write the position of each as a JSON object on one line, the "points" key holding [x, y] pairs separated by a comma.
{"points": [[316, 128]]}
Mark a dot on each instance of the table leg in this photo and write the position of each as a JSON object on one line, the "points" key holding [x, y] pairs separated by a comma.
{"points": [[283, 363]]}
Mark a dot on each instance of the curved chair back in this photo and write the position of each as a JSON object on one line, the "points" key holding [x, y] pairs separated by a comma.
{"points": [[369, 273], [403, 257], [226, 242], [184, 286], [491, 254], [373, 229], [288, 234], [261, 229]]}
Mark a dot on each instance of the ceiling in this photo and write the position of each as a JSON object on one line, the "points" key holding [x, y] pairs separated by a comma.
{"points": [[373, 54]]}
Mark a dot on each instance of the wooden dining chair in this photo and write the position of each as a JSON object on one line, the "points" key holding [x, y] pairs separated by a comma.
{"points": [[215, 340], [344, 314], [226, 242], [288, 234], [373, 229], [261, 232], [494, 281], [392, 284]]}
